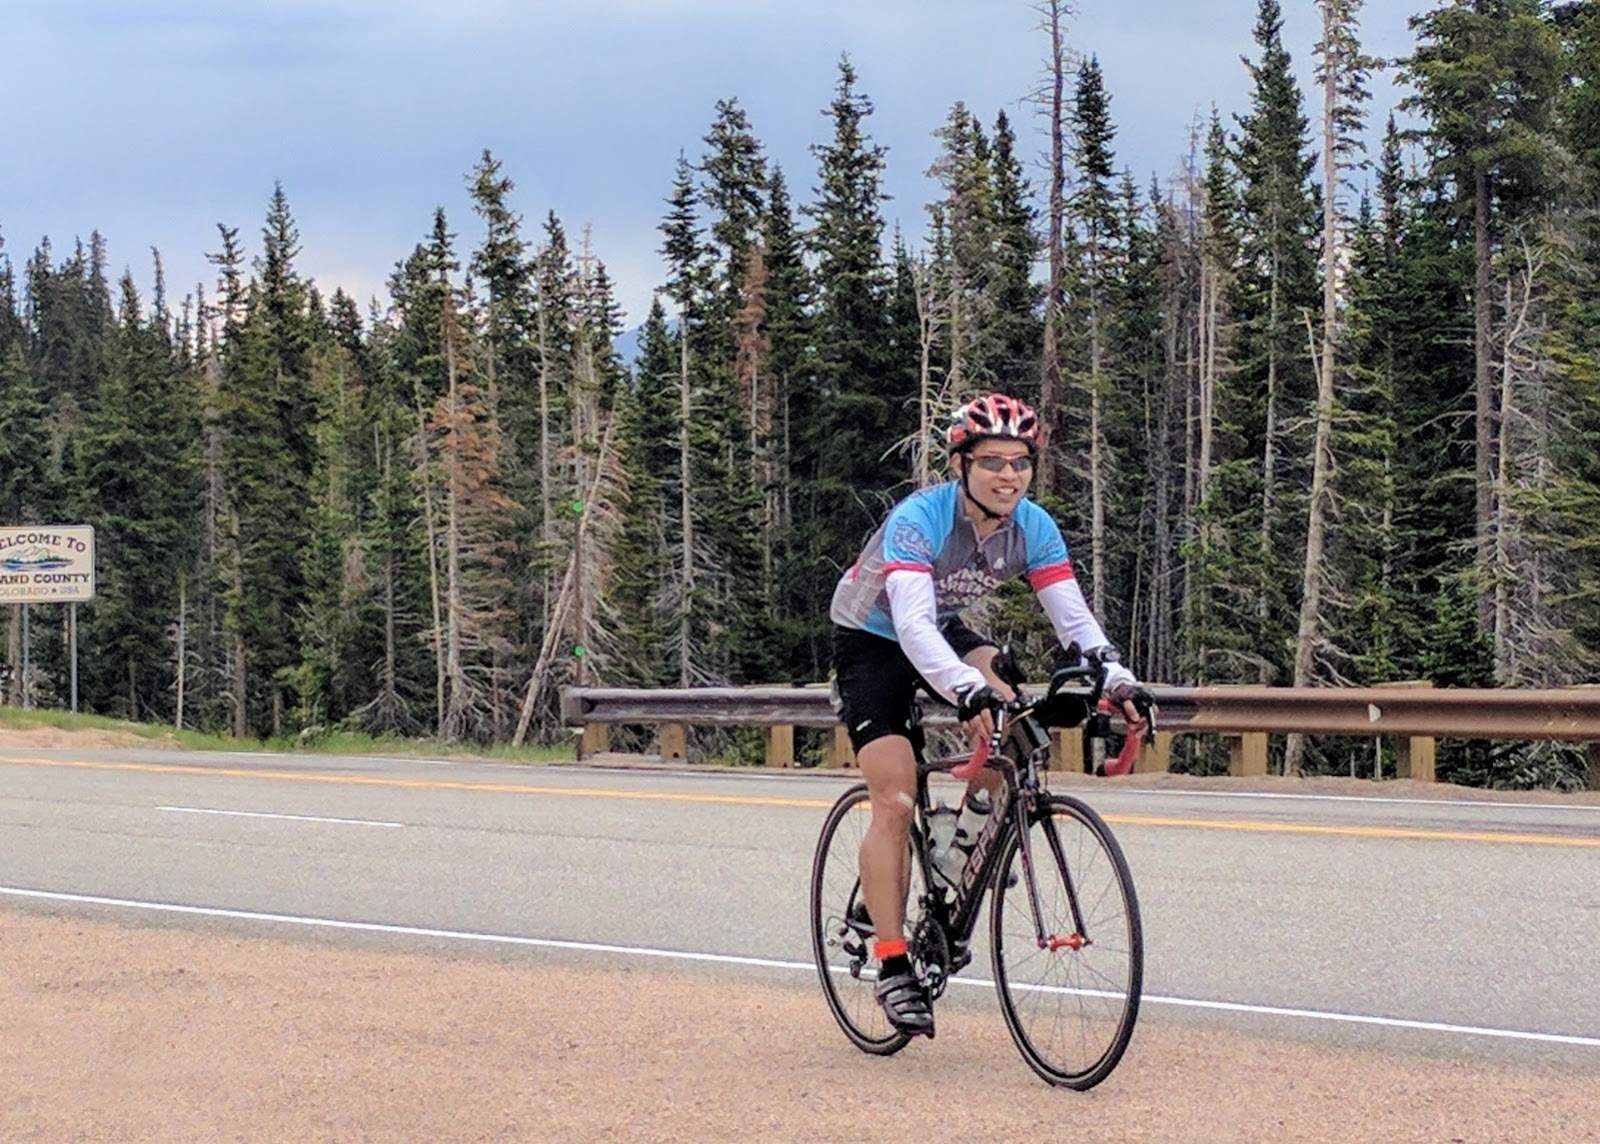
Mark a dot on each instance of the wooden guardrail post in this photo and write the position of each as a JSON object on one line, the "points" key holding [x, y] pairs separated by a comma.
{"points": [[672, 741], [780, 746], [1247, 754], [596, 738], [1155, 759], [1594, 766], [1414, 755], [838, 752], [1414, 759], [1066, 750]]}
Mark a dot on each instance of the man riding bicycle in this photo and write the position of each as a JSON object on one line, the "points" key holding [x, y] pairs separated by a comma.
{"points": [[897, 626]]}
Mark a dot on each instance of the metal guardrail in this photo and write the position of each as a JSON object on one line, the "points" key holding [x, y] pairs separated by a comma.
{"points": [[1571, 715], [1416, 715]]}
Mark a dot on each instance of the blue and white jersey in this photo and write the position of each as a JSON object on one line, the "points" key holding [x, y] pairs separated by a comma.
{"points": [[928, 532]]}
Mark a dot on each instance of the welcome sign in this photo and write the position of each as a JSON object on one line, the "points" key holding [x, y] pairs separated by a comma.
{"points": [[46, 564]]}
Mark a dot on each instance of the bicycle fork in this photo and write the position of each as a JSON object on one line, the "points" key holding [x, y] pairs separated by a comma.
{"points": [[1053, 942]]}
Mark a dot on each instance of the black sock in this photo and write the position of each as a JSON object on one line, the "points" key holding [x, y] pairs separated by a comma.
{"points": [[897, 963]]}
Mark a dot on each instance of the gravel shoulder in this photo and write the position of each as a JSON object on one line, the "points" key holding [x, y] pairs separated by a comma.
{"points": [[119, 1031]]}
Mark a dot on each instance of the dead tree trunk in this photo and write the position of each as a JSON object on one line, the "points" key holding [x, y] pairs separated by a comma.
{"points": [[455, 677], [241, 693], [183, 654], [430, 532], [1053, 12], [929, 399], [1269, 466], [1097, 489], [1309, 633], [1483, 454]]}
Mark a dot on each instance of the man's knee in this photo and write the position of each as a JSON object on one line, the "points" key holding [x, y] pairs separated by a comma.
{"points": [[890, 768]]}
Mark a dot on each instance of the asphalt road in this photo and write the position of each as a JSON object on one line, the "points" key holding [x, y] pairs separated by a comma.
{"points": [[1477, 918]]}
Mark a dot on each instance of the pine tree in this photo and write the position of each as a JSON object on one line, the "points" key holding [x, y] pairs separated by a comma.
{"points": [[838, 456], [649, 431], [514, 376], [1277, 284], [344, 615], [1093, 209], [734, 192], [500, 265], [24, 472], [967, 272], [135, 461], [1016, 297], [267, 410], [1485, 74], [791, 364], [685, 255]]}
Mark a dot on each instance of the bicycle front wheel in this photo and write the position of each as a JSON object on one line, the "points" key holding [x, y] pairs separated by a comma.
{"points": [[1070, 973], [841, 933]]}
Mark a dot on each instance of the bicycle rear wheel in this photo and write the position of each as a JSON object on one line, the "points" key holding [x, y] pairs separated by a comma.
{"points": [[1071, 1000], [840, 941]]}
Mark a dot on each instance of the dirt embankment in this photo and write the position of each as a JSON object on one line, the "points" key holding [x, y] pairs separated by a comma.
{"points": [[46, 738], [134, 1032]]}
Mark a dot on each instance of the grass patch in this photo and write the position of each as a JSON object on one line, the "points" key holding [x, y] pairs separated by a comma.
{"points": [[328, 743], [360, 743]]}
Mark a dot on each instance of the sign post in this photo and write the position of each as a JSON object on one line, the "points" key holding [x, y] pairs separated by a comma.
{"points": [[47, 564], [72, 638]]}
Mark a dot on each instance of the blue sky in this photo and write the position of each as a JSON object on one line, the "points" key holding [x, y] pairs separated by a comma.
{"points": [[155, 120]]}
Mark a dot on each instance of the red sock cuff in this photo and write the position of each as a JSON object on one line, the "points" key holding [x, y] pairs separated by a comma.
{"points": [[885, 949]]}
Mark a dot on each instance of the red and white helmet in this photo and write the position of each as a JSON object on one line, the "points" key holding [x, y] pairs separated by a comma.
{"points": [[995, 417]]}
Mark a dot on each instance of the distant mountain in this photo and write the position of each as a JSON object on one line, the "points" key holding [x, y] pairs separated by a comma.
{"points": [[627, 343]]}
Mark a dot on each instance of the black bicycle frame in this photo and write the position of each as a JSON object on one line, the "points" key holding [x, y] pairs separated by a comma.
{"points": [[1014, 797]]}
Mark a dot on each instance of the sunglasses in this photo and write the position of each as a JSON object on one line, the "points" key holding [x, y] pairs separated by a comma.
{"points": [[1022, 465]]}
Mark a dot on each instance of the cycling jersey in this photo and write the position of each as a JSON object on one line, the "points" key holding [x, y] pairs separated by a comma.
{"points": [[925, 564], [928, 532]]}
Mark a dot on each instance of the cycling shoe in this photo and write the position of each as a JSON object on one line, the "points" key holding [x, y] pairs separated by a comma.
{"points": [[905, 1002]]}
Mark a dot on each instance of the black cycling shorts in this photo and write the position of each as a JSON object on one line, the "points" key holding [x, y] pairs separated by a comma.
{"points": [[874, 682]]}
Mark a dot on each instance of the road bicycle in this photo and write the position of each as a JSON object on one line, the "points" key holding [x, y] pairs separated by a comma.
{"points": [[1065, 940]]}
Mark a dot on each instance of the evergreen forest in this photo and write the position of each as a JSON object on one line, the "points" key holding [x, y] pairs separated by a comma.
{"points": [[1318, 416]]}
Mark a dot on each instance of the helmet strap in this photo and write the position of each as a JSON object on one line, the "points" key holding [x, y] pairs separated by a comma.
{"points": [[989, 513]]}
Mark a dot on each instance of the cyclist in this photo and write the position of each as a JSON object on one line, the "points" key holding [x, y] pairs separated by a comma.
{"points": [[896, 616]]}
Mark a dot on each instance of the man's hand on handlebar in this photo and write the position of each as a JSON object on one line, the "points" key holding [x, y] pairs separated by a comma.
{"points": [[975, 706], [1136, 704]]}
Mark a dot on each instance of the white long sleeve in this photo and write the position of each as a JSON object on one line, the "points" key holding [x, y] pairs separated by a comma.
{"points": [[1074, 623], [916, 625]]}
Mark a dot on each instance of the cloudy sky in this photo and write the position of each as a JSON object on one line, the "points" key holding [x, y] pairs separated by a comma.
{"points": [[155, 120]]}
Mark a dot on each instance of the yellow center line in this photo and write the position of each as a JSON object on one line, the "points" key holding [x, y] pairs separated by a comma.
{"points": [[1355, 831], [1245, 825]]}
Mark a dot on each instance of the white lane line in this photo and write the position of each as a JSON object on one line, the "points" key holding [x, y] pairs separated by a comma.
{"points": [[771, 963], [290, 817]]}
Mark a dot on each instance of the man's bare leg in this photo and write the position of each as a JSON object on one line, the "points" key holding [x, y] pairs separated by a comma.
{"points": [[890, 768]]}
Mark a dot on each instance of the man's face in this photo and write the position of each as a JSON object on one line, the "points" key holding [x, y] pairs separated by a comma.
{"points": [[1001, 490]]}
